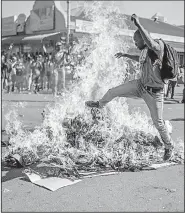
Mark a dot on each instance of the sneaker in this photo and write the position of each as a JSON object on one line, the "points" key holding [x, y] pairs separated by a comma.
{"points": [[168, 153], [92, 104]]}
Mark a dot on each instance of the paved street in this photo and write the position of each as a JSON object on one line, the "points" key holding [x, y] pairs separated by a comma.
{"points": [[158, 190]]}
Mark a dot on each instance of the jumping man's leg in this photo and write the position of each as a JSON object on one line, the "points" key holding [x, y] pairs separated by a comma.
{"points": [[128, 89], [154, 102]]}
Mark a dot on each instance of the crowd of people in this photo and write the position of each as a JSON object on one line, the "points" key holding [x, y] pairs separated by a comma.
{"points": [[34, 72]]}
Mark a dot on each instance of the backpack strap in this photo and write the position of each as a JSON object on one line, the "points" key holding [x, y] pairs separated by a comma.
{"points": [[162, 45], [155, 58]]}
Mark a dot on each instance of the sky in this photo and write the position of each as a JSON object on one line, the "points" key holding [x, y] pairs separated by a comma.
{"points": [[172, 10]]}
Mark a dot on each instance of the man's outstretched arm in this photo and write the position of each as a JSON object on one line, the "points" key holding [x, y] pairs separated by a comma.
{"points": [[133, 57]]}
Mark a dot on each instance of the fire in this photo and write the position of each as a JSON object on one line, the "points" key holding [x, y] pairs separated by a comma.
{"points": [[72, 135]]}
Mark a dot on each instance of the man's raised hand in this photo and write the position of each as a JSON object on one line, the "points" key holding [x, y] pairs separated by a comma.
{"points": [[11, 46], [119, 55], [135, 19]]}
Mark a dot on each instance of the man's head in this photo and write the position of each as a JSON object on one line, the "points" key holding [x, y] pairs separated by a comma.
{"points": [[21, 59], [39, 57], [3, 58], [58, 46], [50, 56], [63, 40], [139, 42], [14, 59]]}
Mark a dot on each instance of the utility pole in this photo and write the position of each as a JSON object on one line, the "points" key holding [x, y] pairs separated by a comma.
{"points": [[67, 45], [68, 22]]}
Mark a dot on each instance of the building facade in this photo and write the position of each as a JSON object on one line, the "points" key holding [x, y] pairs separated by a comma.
{"points": [[47, 23]]}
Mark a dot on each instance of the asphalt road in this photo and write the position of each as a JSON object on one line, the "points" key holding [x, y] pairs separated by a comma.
{"points": [[159, 190]]}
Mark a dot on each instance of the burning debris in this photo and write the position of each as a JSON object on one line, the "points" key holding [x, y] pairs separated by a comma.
{"points": [[87, 148], [73, 139]]}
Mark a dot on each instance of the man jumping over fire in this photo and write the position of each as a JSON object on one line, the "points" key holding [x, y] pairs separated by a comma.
{"points": [[149, 86]]}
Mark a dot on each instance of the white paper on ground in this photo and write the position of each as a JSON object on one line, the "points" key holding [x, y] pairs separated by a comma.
{"points": [[51, 183], [54, 183], [156, 166], [33, 177]]}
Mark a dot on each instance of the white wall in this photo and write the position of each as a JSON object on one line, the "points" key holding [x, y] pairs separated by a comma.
{"points": [[59, 18]]}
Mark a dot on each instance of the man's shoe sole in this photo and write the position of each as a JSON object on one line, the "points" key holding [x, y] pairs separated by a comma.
{"points": [[91, 104]]}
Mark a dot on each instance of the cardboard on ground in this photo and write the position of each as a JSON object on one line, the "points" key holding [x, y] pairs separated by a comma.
{"points": [[51, 183]]}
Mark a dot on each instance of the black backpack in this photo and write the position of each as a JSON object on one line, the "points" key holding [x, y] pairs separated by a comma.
{"points": [[170, 62]]}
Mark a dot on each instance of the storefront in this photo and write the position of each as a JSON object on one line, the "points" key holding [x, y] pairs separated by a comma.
{"points": [[9, 33], [46, 24]]}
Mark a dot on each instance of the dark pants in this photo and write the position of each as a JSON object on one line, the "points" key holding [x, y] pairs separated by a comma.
{"points": [[42, 81], [183, 99], [171, 86], [49, 79], [36, 82]]}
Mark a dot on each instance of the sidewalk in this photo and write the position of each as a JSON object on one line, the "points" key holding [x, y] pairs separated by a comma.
{"points": [[43, 96]]}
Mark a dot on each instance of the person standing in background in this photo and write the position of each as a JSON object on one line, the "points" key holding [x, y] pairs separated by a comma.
{"points": [[25, 63], [181, 75], [49, 67], [20, 69], [12, 79], [166, 86], [9, 62], [171, 85], [59, 56], [62, 68], [9, 76], [4, 72], [28, 67], [36, 66], [42, 71], [69, 69]]}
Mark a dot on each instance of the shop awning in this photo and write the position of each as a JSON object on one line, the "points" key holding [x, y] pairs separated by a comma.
{"points": [[3, 39], [12, 39], [40, 38], [178, 46]]}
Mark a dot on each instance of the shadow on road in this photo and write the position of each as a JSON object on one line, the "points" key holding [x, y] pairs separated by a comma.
{"points": [[177, 119], [170, 102], [10, 173]]}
